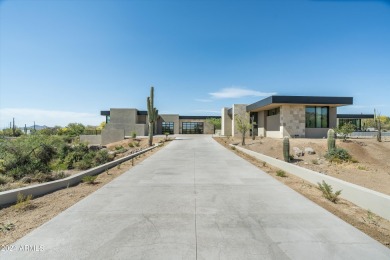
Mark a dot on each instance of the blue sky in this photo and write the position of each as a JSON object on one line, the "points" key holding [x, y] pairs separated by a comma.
{"points": [[65, 61]]}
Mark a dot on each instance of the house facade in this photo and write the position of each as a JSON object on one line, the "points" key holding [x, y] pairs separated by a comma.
{"points": [[122, 122], [293, 116]]}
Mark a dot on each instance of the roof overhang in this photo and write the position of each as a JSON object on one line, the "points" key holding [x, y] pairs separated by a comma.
{"points": [[355, 116], [276, 101]]}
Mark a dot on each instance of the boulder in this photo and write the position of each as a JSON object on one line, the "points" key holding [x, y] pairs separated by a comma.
{"points": [[309, 150], [298, 152]]}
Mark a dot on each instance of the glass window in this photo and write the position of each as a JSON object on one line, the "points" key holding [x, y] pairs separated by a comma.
{"points": [[192, 128], [310, 117], [273, 112], [317, 117], [167, 127]]}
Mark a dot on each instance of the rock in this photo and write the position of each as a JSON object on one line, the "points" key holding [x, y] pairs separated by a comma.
{"points": [[309, 150], [298, 152]]}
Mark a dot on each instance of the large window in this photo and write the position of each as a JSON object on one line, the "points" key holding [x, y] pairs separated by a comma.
{"points": [[273, 112], [192, 128], [317, 117], [167, 127]]}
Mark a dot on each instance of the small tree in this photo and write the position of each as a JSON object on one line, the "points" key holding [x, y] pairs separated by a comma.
{"points": [[345, 130], [216, 122], [243, 125]]}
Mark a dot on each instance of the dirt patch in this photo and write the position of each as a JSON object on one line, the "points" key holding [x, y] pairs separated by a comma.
{"points": [[18, 220], [366, 221], [372, 169]]}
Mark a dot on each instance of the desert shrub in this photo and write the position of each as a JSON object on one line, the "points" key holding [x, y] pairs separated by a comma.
{"points": [[23, 201], [133, 134], [5, 179], [315, 161], [42, 177], [281, 173], [89, 179], [102, 157], [327, 192], [338, 155], [6, 227], [60, 175], [118, 147], [131, 145]]}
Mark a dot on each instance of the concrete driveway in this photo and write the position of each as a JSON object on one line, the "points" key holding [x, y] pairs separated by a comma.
{"points": [[195, 199]]}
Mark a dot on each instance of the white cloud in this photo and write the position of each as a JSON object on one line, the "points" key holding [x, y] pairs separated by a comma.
{"points": [[203, 100], [238, 93], [46, 117]]}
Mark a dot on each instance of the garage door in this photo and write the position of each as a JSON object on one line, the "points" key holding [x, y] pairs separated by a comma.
{"points": [[192, 128]]}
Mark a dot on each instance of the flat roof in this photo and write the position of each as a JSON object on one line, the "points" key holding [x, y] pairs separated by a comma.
{"points": [[355, 116], [107, 113], [274, 101], [198, 117]]}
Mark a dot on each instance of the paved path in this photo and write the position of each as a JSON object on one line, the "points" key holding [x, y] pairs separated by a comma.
{"points": [[195, 199]]}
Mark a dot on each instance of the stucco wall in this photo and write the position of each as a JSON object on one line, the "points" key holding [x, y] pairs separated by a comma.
{"points": [[333, 117], [261, 123], [273, 123], [293, 119], [169, 118], [226, 122], [274, 134], [91, 139], [125, 119], [112, 135]]}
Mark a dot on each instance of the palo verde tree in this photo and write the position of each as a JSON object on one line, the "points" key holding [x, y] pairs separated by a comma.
{"points": [[152, 115], [216, 122], [243, 125], [345, 130]]}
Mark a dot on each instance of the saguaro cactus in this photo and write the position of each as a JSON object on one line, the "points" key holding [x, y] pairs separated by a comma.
{"points": [[331, 140], [378, 123], [286, 149], [152, 115]]}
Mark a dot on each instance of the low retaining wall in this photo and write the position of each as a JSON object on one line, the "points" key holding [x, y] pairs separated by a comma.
{"points": [[376, 202], [10, 197]]}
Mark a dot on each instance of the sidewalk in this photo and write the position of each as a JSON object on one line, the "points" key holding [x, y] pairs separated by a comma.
{"points": [[194, 199]]}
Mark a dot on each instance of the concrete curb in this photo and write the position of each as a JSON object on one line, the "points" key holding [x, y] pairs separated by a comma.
{"points": [[376, 202], [10, 196]]}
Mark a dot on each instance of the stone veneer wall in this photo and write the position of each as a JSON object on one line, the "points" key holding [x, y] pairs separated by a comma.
{"points": [[292, 119], [238, 109]]}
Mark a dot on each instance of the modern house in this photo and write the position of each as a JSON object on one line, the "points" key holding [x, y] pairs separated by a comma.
{"points": [[293, 116], [123, 122], [274, 116]]}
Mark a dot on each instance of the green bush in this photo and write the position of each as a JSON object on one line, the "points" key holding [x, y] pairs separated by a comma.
{"points": [[281, 173], [102, 157], [338, 155]]}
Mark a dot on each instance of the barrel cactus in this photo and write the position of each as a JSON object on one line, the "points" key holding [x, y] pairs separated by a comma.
{"points": [[331, 140], [286, 149]]}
